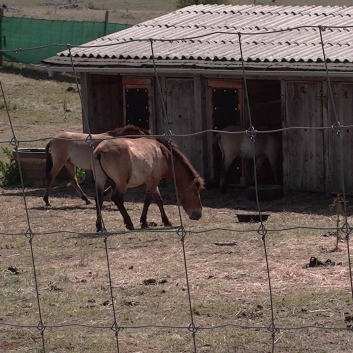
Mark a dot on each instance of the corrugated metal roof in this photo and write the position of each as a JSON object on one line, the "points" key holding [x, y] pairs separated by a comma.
{"points": [[211, 33]]}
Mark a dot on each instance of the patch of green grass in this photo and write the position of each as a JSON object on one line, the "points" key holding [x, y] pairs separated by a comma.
{"points": [[80, 174], [9, 170]]}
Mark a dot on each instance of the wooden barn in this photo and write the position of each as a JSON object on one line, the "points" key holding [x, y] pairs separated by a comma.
{"points": [[205, 67]]}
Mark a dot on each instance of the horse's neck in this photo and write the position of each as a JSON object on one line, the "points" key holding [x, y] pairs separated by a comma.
{"points": [[178, 171]]}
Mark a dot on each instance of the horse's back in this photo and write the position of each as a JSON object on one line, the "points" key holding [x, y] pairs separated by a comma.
{"points": [[230, 144], [240, 143], [131, 161], [80, 137]]}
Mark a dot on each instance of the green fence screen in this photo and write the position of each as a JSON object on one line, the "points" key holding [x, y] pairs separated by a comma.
{"points": [[29, 41]]}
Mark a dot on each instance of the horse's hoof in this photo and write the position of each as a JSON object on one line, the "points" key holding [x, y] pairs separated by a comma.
{"points": [[144, 225], [168, 224], [130, 227], [86, 199]]}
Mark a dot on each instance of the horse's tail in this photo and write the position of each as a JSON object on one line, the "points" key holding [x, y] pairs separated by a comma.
{"points": [[98, 156], [218, 149], [48, 161], [107, 192]]}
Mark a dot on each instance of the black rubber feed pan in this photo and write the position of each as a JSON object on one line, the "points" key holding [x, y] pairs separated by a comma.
{"points": [[265, 192], [255, 218]]}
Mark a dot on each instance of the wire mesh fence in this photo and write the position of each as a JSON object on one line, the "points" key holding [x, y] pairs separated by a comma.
{"points": [[216, 286]]}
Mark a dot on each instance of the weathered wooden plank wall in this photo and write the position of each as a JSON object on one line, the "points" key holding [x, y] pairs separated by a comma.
{"points": [[103, 98], [183, 119], [312, 158], [341, 156], [304, 167]]}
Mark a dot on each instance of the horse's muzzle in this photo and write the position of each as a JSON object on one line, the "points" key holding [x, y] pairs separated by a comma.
{"points": [[195, 215]]}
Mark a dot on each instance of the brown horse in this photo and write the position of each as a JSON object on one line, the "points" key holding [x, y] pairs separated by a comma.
{"points": [[129, 163], [234, 145], [73, 149]]}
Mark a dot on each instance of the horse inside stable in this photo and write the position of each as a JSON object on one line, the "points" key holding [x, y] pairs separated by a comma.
{"points": [[234, 142]]}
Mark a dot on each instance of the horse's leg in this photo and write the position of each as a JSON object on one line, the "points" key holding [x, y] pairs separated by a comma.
{"points": [[71, 171], [100, 180], [155, 194], [99, 204], [258, 164], [146, 204], [228, 160], [273, 163], [118, 199], [107, 193], [53, 167], [228, 156]]}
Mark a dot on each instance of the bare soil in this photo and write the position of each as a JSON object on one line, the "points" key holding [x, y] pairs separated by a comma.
{"points": [[215, 278]]}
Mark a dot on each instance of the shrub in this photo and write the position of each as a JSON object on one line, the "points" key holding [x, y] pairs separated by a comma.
{"points": [[80, 174], [9, 172]]}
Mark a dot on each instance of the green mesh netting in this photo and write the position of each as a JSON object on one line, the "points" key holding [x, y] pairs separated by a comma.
{"points": [[35, 40]]}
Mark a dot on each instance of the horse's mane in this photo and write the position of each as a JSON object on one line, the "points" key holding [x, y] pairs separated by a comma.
{"points": [[182, 158], [128, 130]]}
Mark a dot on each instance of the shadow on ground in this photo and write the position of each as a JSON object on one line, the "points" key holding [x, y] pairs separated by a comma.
{"points": [[235, 198]]}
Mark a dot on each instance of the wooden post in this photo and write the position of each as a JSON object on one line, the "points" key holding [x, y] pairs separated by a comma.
{"points": [[105, 22], [1, 16]]}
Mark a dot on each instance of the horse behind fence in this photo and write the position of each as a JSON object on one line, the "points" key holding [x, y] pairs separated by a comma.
{"points": [[129, 163], [74, 150], [236, 143]]}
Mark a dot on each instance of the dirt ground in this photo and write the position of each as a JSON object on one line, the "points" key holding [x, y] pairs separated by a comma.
{"points": [[216, 278]]}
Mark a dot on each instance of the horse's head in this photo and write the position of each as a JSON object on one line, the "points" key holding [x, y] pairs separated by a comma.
{"points": [[190, 198], [189, 182]]}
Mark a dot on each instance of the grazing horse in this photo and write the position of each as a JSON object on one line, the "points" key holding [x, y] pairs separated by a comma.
{"points": [[129, 163], [72, 149], [266, 145]]}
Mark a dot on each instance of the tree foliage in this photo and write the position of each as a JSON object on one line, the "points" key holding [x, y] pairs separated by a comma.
{"points": [[184, 3]]}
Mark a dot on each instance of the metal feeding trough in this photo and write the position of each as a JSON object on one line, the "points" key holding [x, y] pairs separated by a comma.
{"points": [[255, 218], [32, 162]]}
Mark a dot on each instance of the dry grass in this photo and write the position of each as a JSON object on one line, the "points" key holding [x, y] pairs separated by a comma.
{"points": [[226, 268], [126, 12], [36, 103], [120, 11]]}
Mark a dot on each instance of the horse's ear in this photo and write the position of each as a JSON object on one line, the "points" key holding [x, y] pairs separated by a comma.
{"points": [[199, 182]]}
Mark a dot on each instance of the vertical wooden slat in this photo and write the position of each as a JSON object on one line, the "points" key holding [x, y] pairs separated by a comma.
{"points": [[105, 102], [305, 148], [343, 96], [182, 120]]}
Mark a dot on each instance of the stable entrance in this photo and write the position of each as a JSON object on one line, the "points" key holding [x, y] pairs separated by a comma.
{"points": [[226, 98]]}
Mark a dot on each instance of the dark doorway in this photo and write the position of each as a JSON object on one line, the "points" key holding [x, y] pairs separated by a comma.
{"points": [[137, 107], [225, 112], [225, 103]]}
